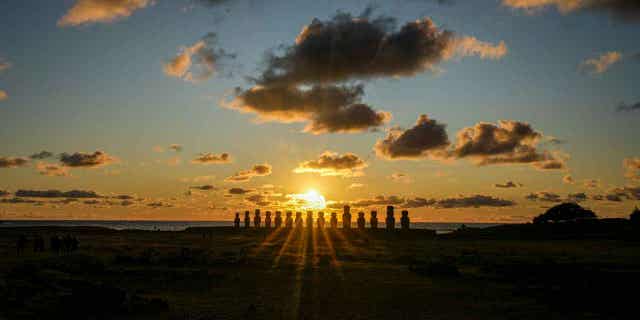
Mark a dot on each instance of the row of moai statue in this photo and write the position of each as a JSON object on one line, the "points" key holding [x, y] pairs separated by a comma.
{"points": [[290, 221]]}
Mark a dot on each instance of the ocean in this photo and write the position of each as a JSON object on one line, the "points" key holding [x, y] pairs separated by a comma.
{"points": [[439, 227]]}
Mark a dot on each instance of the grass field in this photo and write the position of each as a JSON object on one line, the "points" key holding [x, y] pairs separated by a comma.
{"points": [[221, 273]]}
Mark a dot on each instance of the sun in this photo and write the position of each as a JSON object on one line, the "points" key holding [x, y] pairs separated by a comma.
{"points": [[312, 199]]}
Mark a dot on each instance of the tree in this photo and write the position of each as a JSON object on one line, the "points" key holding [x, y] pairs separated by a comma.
{"points": [[565, 212]]}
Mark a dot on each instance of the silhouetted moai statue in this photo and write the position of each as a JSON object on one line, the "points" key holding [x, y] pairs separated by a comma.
{"points": [[334, 220], [236, 221], [309, 219], [404, 220], [346, 217], [320, 220], [374, 219], [361, 221], [278, 220], [289, 220], [267, 220], [256, 219], [391, 220], [299, 221], [247, 219]]}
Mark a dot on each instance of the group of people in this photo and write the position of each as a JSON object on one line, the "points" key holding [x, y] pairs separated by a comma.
{"points": [[57, 244], [290, 221]]}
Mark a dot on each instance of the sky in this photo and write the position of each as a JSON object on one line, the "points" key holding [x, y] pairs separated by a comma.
{"points": [[484, 110]]}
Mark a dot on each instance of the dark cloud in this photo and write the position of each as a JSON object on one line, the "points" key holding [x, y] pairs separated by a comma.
{"points": [[239, 191], [175, 147], [508, 142], [333, 164], [426, 138], [52, 169], [11, 162], [56, 194], [326, 109], [159, 204], [86, 160], [41, 155], [210, 158], [508, 184], [624, 10], [206, 187], [628, 107], [419, 203], [17, 200], [378, 201], [577, 197], [474, 201], [258, 170], [4, 193], [258, 199]]}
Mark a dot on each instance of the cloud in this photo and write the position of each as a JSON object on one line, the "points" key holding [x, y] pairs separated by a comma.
{"points": [[631, 167], [86, 160], [4, 193], [508, 184], [206, 187], [356, 185], [159, 204], [16, 200], [211, 158], [198, 62], [419, 203], [508, 142], [52, 169], [333, 164], [544, 196], [175, 147], [13, 162], [628, 107], [591, 183], [577, 197], [626, 10], [258, 170], [568, 179], [602, 63], [474, 201], [378, 201], [470, 46], [75, 194], [258, 199], [3, 95], [400, 177], [239, 191], [94, 11], [4, 65], [41, 155], [426, 138], [326, 109]]}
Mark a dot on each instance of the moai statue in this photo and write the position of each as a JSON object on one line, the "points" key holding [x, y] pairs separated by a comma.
{"points": [[236, 221], [320, 220], [404, 220], [309, 219], [346, 217], [334, 220], [267, 220], [289, 220], [374, 219], [391, 220], [256, 219], [361, 221], [247, 219], [278, 220], [299, 221]]}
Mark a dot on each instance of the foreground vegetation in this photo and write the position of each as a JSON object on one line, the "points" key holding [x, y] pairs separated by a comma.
{"points": [[509, 272]]}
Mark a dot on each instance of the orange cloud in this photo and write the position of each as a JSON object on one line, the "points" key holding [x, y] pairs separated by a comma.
{"points": [[93, 11], [602, 63]]}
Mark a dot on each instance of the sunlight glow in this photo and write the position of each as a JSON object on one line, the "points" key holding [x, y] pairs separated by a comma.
{"points": [[312, 199]]}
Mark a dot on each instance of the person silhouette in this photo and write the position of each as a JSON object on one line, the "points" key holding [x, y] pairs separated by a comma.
{"points": [[361, 221], [374, 219], [278, 219], [346, 217], [247, 219], [236, 221], [256, 219], [404, 220], [289, 220], [299, 221], [391, 220], [334, 220], [267, 220], [320, 222], [309, 219]]}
